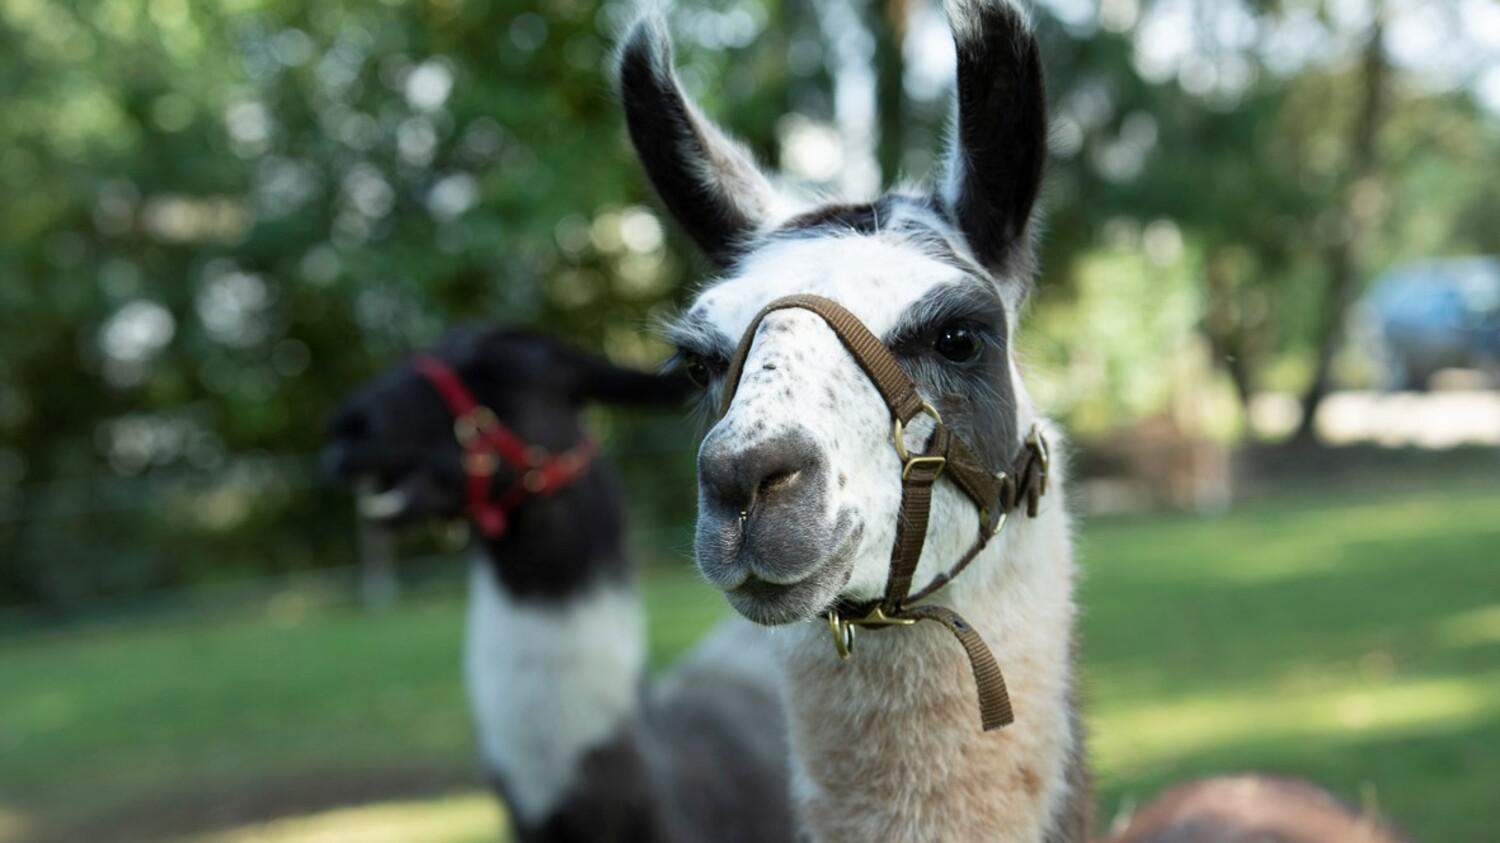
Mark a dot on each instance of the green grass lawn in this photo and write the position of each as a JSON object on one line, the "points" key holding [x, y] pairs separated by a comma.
{"points": [[1354, 641]]}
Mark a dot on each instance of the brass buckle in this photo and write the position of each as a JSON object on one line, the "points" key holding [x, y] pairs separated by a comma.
{"points": [[480, 464], [534, 480], [843, 628], [937, 460], [909, 461], [467, 427], [878, 617]]}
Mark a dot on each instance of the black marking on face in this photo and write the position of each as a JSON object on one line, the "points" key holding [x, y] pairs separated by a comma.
{"points": [[700, 344], [919, 221], [976, 398], [856, 219]]}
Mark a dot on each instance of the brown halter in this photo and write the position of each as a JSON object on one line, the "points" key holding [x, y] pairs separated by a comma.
{"points": [[994, 494]]}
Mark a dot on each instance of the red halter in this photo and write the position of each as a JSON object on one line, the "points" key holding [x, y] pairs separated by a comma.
{"points": [[487, 443]]}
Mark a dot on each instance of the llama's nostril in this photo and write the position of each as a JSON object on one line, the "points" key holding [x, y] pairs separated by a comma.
{"points": [[775, 483], [743, 481]]}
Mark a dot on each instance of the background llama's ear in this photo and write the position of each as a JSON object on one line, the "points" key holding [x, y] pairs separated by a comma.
{"points": [[709, 182], [594, 379], [994, 169]]}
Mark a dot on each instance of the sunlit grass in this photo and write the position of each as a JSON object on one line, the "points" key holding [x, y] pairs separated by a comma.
{"points": [[1470, 629], [1352, 641], [13, 825], [1147, 733], [468, 818]]}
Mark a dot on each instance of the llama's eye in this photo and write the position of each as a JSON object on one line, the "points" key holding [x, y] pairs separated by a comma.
{"points": [[696, 369], [958, 343]]}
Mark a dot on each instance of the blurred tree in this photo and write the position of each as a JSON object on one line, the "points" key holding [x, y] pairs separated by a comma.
{"points": [[217, 220], [1352, 219]]}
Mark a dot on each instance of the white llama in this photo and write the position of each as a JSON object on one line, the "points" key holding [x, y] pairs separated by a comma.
{"points": [[807, 510]]}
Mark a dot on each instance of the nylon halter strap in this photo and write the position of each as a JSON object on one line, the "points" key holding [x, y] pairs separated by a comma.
{"points": [[994, 494], [488, 443]]}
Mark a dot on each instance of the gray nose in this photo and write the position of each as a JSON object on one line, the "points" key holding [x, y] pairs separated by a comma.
{"points": [[765, 476]]}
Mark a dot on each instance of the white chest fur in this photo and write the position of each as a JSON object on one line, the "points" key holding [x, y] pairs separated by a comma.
{"points": [[548, 682]]}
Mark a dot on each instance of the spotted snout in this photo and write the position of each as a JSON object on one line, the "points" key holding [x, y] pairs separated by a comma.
{"points": [[768, 532]]}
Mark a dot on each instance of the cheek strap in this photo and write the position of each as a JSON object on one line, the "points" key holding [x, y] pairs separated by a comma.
{"points": [[995, 495]]}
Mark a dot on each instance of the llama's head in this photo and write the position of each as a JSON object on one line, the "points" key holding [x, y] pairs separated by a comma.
{"points": [[799, 486], [396, 433]]}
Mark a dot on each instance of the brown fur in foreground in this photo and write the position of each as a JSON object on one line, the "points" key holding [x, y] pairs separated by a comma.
{"points": [[1252, 809]]}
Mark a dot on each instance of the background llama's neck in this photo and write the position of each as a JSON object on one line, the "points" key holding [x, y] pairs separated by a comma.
{"points": [[555, 653], [887, 745], [550, 682]]}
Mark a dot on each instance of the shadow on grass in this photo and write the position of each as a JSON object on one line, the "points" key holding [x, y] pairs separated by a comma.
{"points": [[197, 811]]}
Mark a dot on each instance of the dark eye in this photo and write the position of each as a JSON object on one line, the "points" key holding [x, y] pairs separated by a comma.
{"points": [[958, 343], [696, 369]]}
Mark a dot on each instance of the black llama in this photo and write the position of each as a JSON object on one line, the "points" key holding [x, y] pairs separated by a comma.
{"points": [[577, 742]]}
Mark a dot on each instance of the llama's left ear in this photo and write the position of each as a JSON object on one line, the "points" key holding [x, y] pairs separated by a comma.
{"points": [[709, 182], [994, 169]]}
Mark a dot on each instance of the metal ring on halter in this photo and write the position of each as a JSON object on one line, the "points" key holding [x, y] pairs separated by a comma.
{"points": [[910, 460], [843, 634], [534, 481], [468, 426], [480, 463]]}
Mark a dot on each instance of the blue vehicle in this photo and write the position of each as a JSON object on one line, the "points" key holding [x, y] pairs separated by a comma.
{"points": [[1434, 314]]}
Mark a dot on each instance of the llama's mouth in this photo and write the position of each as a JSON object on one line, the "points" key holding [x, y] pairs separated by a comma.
{"points": [[404, 496], [381, 501], [773, 604]]}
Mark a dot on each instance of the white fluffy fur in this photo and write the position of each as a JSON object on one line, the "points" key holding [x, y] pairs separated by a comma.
{"points": [[547, 683], [1018, 594]]}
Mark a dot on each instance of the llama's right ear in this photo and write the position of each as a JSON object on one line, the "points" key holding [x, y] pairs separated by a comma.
{"points": [[994, 170], [709, 182]]}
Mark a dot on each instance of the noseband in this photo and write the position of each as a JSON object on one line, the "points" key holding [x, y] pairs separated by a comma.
{"points": [[995, 493], [488, 443]]}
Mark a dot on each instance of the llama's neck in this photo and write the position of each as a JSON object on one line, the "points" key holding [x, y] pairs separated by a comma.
{"points": [[887, 746], [552, 679]]}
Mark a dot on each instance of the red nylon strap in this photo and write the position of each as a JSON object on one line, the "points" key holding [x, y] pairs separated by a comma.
{"points": [[487, 443], [459, 399]]}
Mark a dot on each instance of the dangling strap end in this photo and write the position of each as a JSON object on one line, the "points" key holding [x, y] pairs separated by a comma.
{"points": [[994, 713], [994, 699]]}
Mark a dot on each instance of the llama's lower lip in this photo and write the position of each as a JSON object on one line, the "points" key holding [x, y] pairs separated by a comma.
{"points": [[381, 500], [771, 604], [383, 506]]}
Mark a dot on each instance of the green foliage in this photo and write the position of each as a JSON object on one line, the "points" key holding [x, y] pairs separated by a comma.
{"points": [[219, 219]]}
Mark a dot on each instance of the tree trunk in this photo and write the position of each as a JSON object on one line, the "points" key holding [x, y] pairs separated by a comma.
{"points": [[1225, 329], [889, 29], [1354, 219]]}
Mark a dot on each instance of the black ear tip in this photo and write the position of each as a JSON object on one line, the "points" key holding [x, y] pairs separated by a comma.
{"points": [[647, 48], [975, 22]]}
